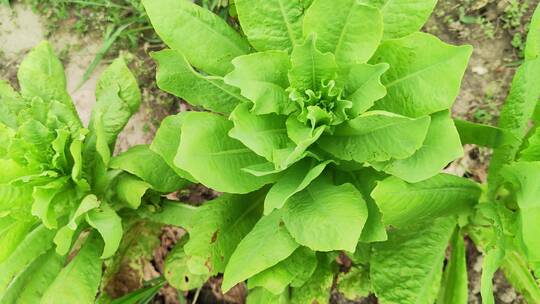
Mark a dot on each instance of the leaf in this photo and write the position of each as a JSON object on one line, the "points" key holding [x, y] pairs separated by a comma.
{"points": [[143, 295], [294, 180], [482, 135], [78, 282], [263, 296], [64, 235], [222, 224], [310, 67], [109, 225], [532, 150], [317, 288], [12, 233], [424, 76], [515, 114], [402, 203], [216, 161], [130, 190], [262, 78], [365, 181], [262, 134], [177, 272], [153, 170], [167, 141], [11, 104], [267, 244], [532, 46], [524, 176], [37, 242], [41, 74], [44, 199], [492, 261], [176, 76], [441, 146], [294, 270], [403, 17], [407, 268], [354, 284], [454, 289], [271, 24], [118, 75], [326, 217], [376, 136], [352, 31], [204, 38], [172, 213], [30, 285], [363, 86]]}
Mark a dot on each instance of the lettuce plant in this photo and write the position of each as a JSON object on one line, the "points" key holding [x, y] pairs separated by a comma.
{"points": [[62, 194], [327, 125], [506, 223]]}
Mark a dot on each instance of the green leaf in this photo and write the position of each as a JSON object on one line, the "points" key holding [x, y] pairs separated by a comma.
{"points": [[365, 181], [424, 76], [271, 24], [204, 38], [524, 176], [217, 161], [515, 114], [376, 136], [483, 135], [294, 270], [532, 150], [403, 17], [262, 78], [12, 233], [222, 224], [267, 244], [172, 213], [441, 146], [143, 295], [317, 288], [354, 284], [532, 47], [402, 203], [177, 272], [35, 244], [44, 201], [153, 170], [263, 296], [11, 104], [294, 180], [41, 74], [352, 31], [363, 86], [326, 217], [78, 282], [407, 268], [310, 67], [118, 75], [131, 189], [263, 134], [175, 75], [109, 225], [30, 285], [492, 260], [64, 236], [454, 289], [167, 141]]}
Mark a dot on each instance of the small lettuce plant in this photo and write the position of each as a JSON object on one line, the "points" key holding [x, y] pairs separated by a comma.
{"points": [[327, 125], [62, 194]]}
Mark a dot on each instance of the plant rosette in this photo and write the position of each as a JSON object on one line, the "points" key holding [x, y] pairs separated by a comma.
{"points": [[327, 125], [62, 193]]}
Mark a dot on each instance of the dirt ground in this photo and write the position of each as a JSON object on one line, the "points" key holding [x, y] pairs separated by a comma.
{"points": [[495, 28]]}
